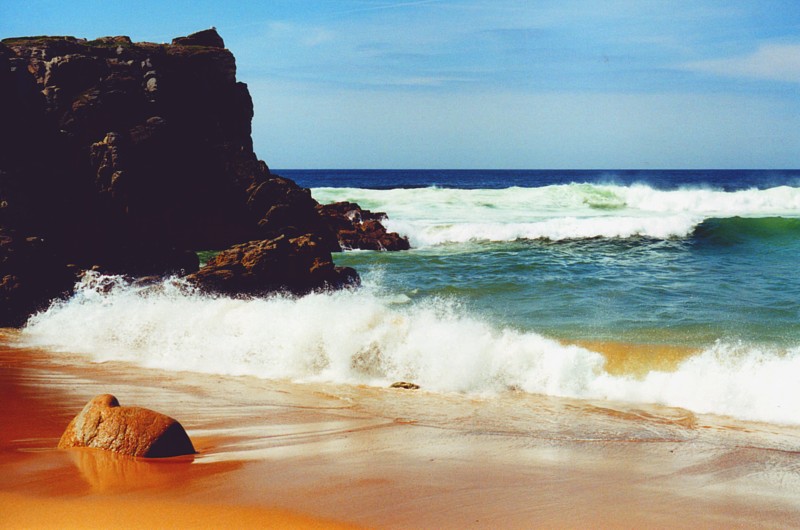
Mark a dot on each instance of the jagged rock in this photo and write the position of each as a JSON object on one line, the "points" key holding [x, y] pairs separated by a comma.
{"points": [[297, 265], [357, 228], [133, 431]]}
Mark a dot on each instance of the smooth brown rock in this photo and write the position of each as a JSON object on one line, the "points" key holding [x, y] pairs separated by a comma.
{"points": [[132, 431]]}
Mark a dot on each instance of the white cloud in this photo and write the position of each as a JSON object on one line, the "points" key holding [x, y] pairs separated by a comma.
{"points": [[775, 62]]}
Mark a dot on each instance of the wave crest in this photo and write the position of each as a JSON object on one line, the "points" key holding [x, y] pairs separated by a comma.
{"points": [[435, 216]]}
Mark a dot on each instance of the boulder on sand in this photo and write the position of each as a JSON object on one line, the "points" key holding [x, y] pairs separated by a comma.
{"points": [[133, 431]]}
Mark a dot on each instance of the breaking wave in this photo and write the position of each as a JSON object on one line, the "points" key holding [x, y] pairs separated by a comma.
{"points": [[435, 216], [368, 336]]}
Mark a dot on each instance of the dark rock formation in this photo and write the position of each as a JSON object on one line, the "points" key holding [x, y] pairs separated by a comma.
{"points": [[357, 228], [128, 157], [297, 265], [132, 431], [119, 152]]}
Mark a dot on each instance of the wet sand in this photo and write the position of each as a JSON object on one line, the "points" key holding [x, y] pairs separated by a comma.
{"points": [[285, 455]]}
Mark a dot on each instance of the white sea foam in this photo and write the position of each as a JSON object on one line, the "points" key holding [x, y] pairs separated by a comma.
{"points": [[434, 216], [425, 234], [366, 337]]}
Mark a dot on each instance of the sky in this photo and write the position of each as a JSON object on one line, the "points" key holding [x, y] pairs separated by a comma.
{"points": [[504, 84]]}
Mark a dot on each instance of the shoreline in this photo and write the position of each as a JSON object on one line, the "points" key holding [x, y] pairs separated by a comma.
{"points": [[320, 455]]}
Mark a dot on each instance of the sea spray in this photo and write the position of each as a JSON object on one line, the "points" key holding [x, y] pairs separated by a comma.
{"points": [[368, 336]]}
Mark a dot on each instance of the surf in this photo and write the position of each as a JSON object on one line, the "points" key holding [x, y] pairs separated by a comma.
{"points": [[437, 216], [373, 337]]}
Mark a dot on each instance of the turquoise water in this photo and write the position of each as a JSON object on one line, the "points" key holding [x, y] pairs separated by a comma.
{"points": [[674, 260], [676, 292]]}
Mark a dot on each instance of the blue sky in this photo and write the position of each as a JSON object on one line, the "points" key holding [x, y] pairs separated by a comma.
{"points": [[489, 84]]}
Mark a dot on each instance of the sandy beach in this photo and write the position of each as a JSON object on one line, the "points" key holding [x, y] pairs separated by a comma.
{"points": [[279, 454]]}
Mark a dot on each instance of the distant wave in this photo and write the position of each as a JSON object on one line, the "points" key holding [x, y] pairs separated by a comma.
{"points": [[733, 230], [728, 180], [369, 337], [434, 216]]}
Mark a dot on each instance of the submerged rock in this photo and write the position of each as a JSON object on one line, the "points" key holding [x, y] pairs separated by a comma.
{"points": [[132, 431]]}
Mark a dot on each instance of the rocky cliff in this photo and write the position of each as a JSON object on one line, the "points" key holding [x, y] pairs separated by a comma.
{"points": [[127, 158]]}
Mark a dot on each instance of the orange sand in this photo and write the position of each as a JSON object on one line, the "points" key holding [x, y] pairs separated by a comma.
{"points": [[20, 511], [283, 455]]}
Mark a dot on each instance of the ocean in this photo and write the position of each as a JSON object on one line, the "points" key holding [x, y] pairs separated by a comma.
{"points": [[674, 288]]}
